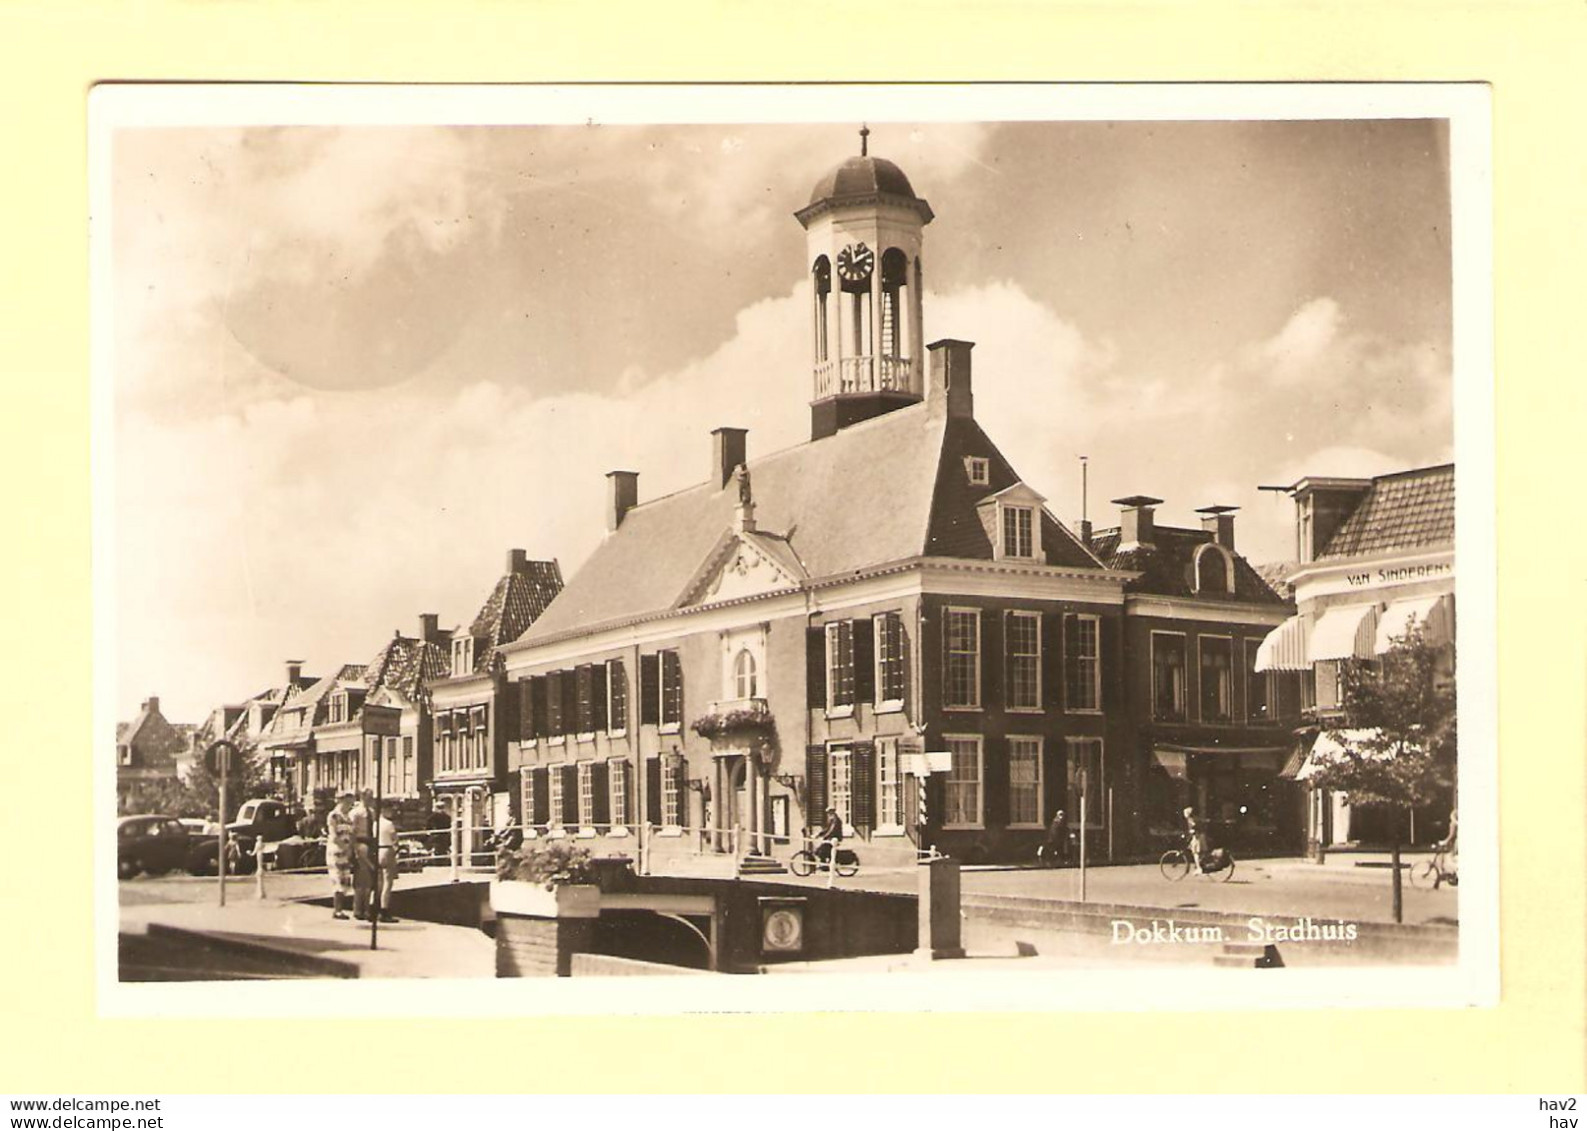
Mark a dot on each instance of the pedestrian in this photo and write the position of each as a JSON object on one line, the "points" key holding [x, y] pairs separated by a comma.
{"points": [[363, 856], [386, 843], [1196, 840], [1056, 849], [339, 852]]}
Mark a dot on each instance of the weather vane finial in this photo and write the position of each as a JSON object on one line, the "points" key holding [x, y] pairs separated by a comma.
{"points": [[865, 132]]}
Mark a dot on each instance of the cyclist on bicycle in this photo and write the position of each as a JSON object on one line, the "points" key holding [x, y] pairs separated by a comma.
{"points": [[1196, 835], [831, 835]]}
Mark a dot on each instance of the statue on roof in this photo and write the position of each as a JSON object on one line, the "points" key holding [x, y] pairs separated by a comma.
{"points": [[741, 475]]}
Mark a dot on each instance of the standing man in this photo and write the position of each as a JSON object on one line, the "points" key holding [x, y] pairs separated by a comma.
{"points": [[363, 856], [1056, 850], [386, 859], [339, 852]]}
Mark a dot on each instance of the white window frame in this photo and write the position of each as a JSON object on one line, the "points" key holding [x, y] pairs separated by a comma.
{"points": [[671, 794], [1007, 511], [1096, 665], [1201, 687], [339, 707], [841, 754], [1040, 799], [675, 725], [1073, 743], [617, 795], [556, 804], [980, 782], [1228, 567], [410, 764], [740, 691], [889, 816], [975, 686], [616, 671], [832, 631], [978, 469], [1008, 692], [586, 799], [479, 724], [1184, 652], [526, 800], [463, 655], [878, 650]]}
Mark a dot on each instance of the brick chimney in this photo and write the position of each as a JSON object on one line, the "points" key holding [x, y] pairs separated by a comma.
{"points": [[728, 453], [517, 561], [294, 672], [1084, 529], [1219, 522], [622, 498], [1136, 525], [152, 704], [949, 390], [430, 628]]}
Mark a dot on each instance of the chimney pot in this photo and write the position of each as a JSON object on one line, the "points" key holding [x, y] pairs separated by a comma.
{"points": [[1137, 525], [1219, 522], [950, 389], [623, 496], [728, 452]]}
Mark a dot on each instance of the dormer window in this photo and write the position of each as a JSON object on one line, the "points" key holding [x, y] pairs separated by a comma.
{"points": [[339, 707], [1214, 570], [1012, 520], [979, 470], [462, 655], [1017, 525]]}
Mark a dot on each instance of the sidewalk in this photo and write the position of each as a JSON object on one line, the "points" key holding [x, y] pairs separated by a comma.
{"points": [[336, 947]]}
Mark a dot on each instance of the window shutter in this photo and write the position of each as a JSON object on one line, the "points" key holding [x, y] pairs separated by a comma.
{"points": [[994, 781], [556, 709], [650, 690], [864, 660], [816, 668], [570, 795], [526, 709], [816, 784], [1052, 667], [600, 782], [863, 762], [598, 697], [542, 798], [991, 644], [570, 702], [1008, 657], [652, 781]]}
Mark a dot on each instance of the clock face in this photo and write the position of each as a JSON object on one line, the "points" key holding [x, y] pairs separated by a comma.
{"points": [[855, 263]]}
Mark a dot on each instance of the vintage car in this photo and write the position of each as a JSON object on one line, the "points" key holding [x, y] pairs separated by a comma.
{"points": [[261, 818], [152, 843]]}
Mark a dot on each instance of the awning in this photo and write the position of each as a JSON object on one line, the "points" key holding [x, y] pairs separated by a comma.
{"points": [[1434, 613], [1284, 649], [1344, 632], [1328, 749], [1171, 760]]}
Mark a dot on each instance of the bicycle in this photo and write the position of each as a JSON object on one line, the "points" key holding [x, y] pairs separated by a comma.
{"points": [[1215, 865], [1429, 874], [805, 862]]}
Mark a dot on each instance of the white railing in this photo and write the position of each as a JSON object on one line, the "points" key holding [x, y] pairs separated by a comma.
{"points": [[865, 374]]}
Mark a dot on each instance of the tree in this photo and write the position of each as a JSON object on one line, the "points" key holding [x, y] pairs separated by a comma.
{"points": [[1398, 743], [201, 792]]}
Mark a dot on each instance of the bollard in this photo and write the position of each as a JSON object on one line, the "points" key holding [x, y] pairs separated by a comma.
{"points": [[258, 867], [939, 910]]}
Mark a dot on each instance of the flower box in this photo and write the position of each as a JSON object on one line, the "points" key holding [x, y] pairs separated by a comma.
{"points": [[534, 900]]}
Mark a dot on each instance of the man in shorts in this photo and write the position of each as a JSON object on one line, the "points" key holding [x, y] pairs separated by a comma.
{"points": [[339, 852]]}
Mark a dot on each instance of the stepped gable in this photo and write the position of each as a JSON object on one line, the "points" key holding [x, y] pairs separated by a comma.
{"points": [[1405, 511], [1167, 568]]}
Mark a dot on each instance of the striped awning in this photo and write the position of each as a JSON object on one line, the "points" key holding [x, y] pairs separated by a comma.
{"points": [[1284, 649], [1344, 632], [1434, 613], [1331, 747]]}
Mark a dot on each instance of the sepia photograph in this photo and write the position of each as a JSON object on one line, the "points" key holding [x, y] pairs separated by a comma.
{"points": [[999, 538]]}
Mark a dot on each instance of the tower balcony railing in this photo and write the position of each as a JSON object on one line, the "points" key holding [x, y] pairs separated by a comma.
{"points": [[864, 374]]}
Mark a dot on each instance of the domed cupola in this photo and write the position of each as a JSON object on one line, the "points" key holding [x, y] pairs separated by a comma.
{"points": [[863, 228]]}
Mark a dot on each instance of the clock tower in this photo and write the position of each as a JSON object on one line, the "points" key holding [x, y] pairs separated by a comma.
{"points": [[863, 229]]}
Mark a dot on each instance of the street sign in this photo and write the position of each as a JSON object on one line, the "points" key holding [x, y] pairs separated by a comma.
{"points": [[221, 759], [383, 721]]}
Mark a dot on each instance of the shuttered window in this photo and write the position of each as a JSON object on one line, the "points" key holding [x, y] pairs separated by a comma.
{"points": [[616, 697], [889, 658], [672, 791], [586, 779], [584, 689], [653, 791], [617, 786], [890, 795], [554, 780], [554, 706], [815, 784], [863, 789], [650, 689], [840, 665], [671, 690], [840, 782]]}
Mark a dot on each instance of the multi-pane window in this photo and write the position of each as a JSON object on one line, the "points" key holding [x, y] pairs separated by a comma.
{"points": [[1258, 688], [1023, 641], [840, 664], [671, 691], [410, 779], [890, 797], [586, 793], [963, 787], [840, 782], [671, 792], [526, 784], [745, 685], [554, 792], [1085, 776], [1217, 679], [616, 697], [978, 470], [481, 752], [1082, 662], [462, 655], [890, 658], [962, 673], [1018, 539], [393, 767], [1168, 676], [339, 707], [617, 787], [1024, 781]]}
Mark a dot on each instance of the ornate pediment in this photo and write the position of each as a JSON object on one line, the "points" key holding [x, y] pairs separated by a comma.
{"points": [[744, 565]]}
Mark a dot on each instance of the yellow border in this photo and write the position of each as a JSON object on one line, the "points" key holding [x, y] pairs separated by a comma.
{"points": [[1530, 52]]}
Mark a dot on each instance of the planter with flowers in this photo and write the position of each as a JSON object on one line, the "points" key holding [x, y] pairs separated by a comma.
{"points": [[546, 902], [740, 724]]}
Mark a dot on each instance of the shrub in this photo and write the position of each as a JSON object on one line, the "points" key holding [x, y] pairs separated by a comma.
{"points": [[550, 863]]}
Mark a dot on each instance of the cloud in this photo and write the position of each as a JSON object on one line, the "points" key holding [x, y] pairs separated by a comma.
{"points": [[1295, 351]]}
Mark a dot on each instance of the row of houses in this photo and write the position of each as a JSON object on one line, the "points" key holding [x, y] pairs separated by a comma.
{"points": [[887, 620]]}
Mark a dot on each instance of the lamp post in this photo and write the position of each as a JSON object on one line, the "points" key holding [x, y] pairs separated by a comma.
{"points": [[380, 723]]}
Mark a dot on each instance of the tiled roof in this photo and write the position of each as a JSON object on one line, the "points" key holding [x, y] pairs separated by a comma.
{"points": [[881, 491], [1167, 567], [516, 603], [404, 665], [1404, 511], [1276, 574]]}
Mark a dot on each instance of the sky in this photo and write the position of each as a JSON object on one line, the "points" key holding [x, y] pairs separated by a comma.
{"points": [[353, 366]]}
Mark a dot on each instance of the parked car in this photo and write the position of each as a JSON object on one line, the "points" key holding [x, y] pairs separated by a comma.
{"points": [[259, 818], [150, 842]]}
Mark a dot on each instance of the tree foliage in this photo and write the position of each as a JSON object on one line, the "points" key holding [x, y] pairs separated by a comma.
{"points": [[1398, 739]]}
